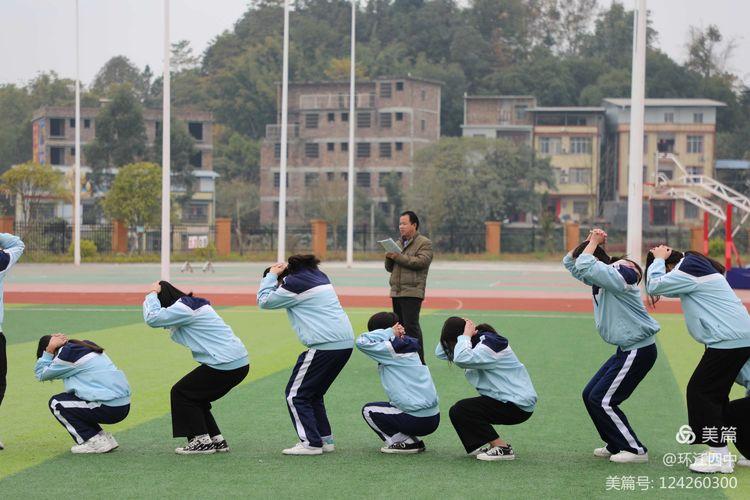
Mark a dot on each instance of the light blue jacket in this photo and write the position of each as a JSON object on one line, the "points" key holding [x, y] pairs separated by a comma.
{"points": [[619, 313], [197, 326], [89, 375], [13, 247], [714, 315], [312, 306], [493, 369], [406, 381]]}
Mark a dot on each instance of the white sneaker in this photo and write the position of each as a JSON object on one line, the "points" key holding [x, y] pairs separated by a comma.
{"points": [[626, 457], [329, 447], [497, 453], [742, 461], [303, 449], [711, 462], [199, 445], [111, 440], [602, 452], [97, 444], [481, 449]]}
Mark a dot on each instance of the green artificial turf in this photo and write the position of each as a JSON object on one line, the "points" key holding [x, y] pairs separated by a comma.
{"points": [[554, 447]]}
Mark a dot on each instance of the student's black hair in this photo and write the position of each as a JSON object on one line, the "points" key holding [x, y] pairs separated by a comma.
{"points": [[412, 217], [381, 321], [169, 294], [674, 258], [600, 254], [44, 342], [452, 329], [281, 276], [299, 262], [484, 327]]}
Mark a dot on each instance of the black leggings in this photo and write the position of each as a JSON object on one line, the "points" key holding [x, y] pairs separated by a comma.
{"points": [[473, 418], [708, 392], [3, 367], [192, 396]]}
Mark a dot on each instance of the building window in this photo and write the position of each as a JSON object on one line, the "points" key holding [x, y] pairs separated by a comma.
{"points": [[692, 174], [311, 120], [399, 146], [330, 176], [195, 212], [691, 211], [196, 130], [695, 144], [311, 150], [424, 95], [73, 152], [581, 208], [399, 117], [196, 160], [86, 123], [363, 179], [668, 117], [575, 120], [331, 146], [72, 123], [277, 179], [580, 145], [550, 145], [363, 120], [344, 147], [385, 120], [399, 86], [423, 125], [385, 149], [331, 117], [57, 127], [363, 150], [345, 176], [385, 90], [277, 150], [697, 118], [311, 179], [344, 117], [561, 177], [579, 175], [57, 156], [157, 128], [521, 112]]}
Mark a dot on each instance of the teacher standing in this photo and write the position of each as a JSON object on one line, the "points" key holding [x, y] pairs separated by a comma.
{"points": [[409, 275]]}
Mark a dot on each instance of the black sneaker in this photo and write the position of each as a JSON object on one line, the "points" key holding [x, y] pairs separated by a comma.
{"points": [[197, 447], [404, 448], [498, 453], [221, 446]]}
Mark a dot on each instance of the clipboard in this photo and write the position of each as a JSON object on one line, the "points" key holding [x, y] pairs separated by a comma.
{"points": [[390, 246]]}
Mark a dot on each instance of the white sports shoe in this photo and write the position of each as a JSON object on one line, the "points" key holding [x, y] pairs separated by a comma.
{"points": [[626, 457], [2, 446], [328, 445], [111, 440], [97, 444], [481, 449], [303, 449], [711, 462], [497, 453], [742, 461], [602, 452]]}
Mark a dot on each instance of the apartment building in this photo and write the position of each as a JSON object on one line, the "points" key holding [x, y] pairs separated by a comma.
{"points": [[571, 137], [395, 117], [53, 143], [685, 128], [499, 117]]}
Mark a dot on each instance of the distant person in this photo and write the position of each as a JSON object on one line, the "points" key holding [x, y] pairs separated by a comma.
{"points": [[621, 320], [223, 364], [324, 328], [412, 407], [409, 275], [96, 392], [11, 248]]}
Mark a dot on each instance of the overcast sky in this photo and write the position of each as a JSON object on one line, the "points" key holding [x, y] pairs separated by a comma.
{"points": [[37, 35]]}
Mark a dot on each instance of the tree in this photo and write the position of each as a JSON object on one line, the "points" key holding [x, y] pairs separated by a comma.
{"points": [[118, 72], [135, 196], [706, 55], [181, 151], [239, 200], [32, 183], [237, 157], [340, 68], [328, 201], [182, 57], [120, 137]]}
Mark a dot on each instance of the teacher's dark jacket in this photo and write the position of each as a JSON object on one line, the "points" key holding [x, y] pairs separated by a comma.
{"points": [[409, 268]]}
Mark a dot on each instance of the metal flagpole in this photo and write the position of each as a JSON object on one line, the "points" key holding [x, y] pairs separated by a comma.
{"points": [[77, 167], [281, 255], [637, 103], [165, 155], [352, 118]]}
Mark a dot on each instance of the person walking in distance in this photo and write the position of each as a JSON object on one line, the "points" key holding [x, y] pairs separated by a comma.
{"points": [[409, 275]]}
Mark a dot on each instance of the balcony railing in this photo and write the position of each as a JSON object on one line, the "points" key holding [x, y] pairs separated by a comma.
{"points": [[335, 101], [273, 132]]}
